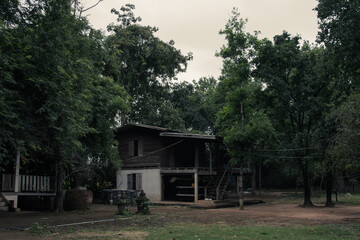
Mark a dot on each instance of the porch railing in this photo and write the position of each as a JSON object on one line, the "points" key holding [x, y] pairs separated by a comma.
{"points": [[27, 183]]}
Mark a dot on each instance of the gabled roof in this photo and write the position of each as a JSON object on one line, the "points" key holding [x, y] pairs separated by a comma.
{"points": [[165, 132]]}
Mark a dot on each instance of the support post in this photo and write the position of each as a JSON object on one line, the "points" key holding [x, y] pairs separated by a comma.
{"points": [[196, 157], [210, 158], [196, 186], [196, 175], [17, 172]]}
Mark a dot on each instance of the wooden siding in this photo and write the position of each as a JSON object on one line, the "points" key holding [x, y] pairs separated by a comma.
{"points": [[147, 158], [160, 151]]}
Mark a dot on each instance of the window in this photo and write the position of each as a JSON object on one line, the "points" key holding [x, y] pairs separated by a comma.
{"points": [[134, 181], [135, 148]]}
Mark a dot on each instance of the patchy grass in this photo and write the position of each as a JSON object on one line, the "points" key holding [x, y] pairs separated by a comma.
{"points": [[208, 232], [349, 199], [297, 198], [101, 234]]}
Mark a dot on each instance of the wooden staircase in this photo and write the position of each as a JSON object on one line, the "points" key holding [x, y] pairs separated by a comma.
{"points": [[4, 204], [217, 185]]}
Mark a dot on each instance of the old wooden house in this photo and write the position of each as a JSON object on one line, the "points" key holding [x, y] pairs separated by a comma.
{"points": [[171, 165]]}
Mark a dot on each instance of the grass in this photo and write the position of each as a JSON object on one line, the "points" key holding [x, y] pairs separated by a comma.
{"points": [[208, 232], [297, 198]]}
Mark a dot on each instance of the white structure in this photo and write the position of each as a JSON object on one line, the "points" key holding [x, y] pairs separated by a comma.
{"points": [[148, 180]]}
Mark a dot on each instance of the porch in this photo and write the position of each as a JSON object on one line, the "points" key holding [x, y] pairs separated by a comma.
{"points": [[12, 186], [194, 184]]}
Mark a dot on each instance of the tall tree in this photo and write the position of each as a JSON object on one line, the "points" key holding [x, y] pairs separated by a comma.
{"points": [[144, 65], [196, 103], [344, 148], [53, 87], [298, 92], [339, 29], [242, 123]]}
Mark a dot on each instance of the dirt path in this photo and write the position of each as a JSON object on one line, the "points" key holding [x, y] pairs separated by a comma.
{"points": [[277, 214], [269, 214]]}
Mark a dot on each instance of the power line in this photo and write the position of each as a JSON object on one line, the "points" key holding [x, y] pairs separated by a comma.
{"points": [[282, 150], [285, 157], [159, 150]]}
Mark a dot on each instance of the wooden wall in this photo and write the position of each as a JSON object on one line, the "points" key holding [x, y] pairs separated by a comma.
{"points": [[149, 143], [181, 155]]}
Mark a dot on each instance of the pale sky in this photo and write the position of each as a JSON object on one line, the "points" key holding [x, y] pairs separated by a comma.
{"points": [[194, 24]]}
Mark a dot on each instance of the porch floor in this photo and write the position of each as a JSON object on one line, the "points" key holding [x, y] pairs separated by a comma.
{"points": [[209, 204], [198, 204], [49, 194]]}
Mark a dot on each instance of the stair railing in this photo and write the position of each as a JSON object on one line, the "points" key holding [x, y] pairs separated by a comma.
{"points": [[11, 207], [218, 186], [207, 185]]}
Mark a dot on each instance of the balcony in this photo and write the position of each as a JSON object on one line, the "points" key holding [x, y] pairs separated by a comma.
{"points": [[28, 184]]}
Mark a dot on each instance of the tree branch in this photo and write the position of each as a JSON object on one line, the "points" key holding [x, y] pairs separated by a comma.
{"points": [[90, 7]]}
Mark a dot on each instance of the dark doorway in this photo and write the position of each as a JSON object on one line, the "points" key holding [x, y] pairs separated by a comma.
{"points": [[178, 187]]}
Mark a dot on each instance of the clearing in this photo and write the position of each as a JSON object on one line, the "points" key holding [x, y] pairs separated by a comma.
{"points": [[274, 216]]}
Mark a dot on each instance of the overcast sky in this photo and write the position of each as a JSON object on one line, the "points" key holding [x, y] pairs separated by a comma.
{"points": [[194, 24]]}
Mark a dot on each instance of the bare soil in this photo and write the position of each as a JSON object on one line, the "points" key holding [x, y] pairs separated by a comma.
{"points": [[259, 214]]}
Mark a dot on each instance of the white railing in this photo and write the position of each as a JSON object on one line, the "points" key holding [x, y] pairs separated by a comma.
{"points": [[31, 183], [27, 183]]}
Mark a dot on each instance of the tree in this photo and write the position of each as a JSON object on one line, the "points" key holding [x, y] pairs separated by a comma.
{"points": [[144, 65], [56, 100], [345, 148], [339, 29], [338, 23], [241, 122], [196, 103], [298, 90]]}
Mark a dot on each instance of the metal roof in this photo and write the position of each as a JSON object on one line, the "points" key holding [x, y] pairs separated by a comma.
{"points": [[138, 125], [165, 132], [187, 135]]}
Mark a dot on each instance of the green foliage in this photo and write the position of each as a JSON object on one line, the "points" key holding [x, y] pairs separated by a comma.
{"points": [[144, 65], [54, 97], [345, 147], [242, 121], [297, 96], [144, 207], [296, 90], [196, 103], [338, 22], [39, 229]]}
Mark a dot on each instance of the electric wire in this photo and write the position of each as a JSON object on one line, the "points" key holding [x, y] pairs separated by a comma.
{"points": [[158, 150], [285, 157]]}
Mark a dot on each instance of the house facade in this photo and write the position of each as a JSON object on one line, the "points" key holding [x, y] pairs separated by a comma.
{"points": [[168, 165]]}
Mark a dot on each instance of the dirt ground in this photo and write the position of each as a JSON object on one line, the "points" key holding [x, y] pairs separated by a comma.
{"points": [[268, 213]]}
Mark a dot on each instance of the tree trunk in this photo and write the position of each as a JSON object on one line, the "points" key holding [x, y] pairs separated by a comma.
{"points": [[329, 202], [241, 190], [253, 179], [321, 184], [59, 186], [259, 178], [307, 189]]}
